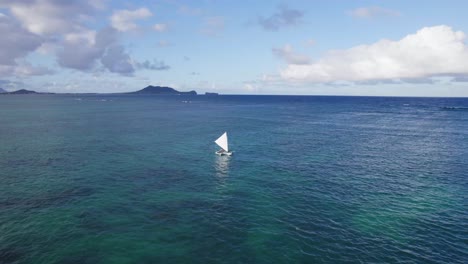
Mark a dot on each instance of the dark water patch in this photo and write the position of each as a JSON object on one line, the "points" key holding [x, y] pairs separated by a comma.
{"points": [[162, 178], [10, 254], [61, 198], [56, 162], [173, 211], [16, 163], [164, 213], [112, 219], [49, 199], [222, 232], [38, 161], [119, 148], [87, 257], [165, 258], [92, 221], [454, 108], [215, 221]]}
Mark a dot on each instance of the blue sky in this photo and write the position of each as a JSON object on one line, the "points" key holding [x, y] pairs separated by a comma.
{"points": [[400, 48]]}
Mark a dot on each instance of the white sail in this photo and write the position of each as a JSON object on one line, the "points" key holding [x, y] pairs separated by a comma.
{"points": [[222, 141]]}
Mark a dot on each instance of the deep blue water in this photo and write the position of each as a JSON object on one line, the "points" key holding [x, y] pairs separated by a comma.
{"points": [[134, 179]]}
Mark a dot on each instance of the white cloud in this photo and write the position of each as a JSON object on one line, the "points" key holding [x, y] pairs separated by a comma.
{"points": [[123, 20], [81, 51], [59, 28], [15, 42], [118, 61], [23, 69], [287, 54], [160, 27], [155, 65], [9, 85], [44, 17], [26, 69], [47, 48], [431, 51], [251, 87], [52, 27], [462, 78], [88, 36], [6, 70], [372, 11], [98, 4]]}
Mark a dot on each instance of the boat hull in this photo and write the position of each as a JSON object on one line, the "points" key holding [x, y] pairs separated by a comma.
{"points": [[224, 153]]}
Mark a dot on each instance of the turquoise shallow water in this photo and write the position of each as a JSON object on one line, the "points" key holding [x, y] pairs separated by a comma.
{"points": [[132, 179]]}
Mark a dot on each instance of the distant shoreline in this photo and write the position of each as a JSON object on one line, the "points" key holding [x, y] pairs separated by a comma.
{"points": [[194, 93], [149, 90]]}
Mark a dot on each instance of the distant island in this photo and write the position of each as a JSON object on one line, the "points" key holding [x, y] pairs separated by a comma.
{"points": [[23, 91], [149, 90], [162, 90]]}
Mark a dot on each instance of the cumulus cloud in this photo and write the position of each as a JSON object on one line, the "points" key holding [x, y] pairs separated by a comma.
{"points": [[15, 42], [421, 80], [124, 20], [59, 28], [460, 78], [9, 85], [26, 69], [79, 55], [45, 17], [83, 35], [98, 4], [53, 26], [117, 60], [56, 26], [251, 87], [287, 54], [371, 82], [212, 26], [431, 51], [155, 65], [282, 18], [81, 51], [372, 11], [6, 70], [160, 27]]}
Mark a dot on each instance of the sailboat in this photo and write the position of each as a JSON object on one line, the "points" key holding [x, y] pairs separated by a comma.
{"points": [[222, 141]]}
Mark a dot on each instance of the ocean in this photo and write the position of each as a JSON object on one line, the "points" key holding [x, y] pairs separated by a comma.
{"points": [[313, 179]]}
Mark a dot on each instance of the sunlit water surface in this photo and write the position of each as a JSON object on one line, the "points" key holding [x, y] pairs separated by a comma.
{"points": [[134, 179]]}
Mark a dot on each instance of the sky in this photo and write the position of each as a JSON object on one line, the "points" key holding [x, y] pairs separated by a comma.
{"points": [[335, 47]]}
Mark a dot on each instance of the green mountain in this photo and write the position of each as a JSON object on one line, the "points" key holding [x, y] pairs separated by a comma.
{"points": [[162, 90], [23, 91]]}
